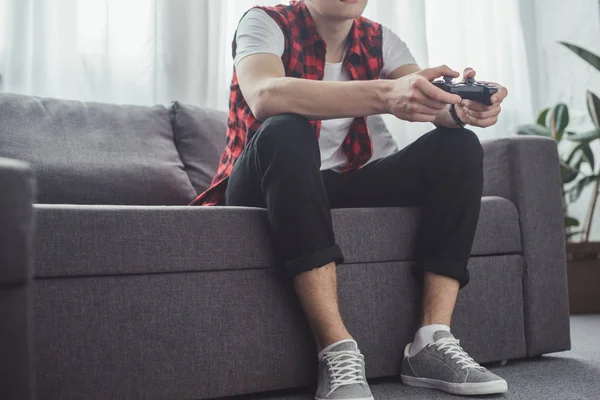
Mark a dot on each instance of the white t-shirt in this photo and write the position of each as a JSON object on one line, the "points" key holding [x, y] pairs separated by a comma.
{"points": [[259, 33]]}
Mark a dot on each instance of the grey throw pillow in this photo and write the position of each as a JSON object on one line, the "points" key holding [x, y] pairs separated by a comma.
{"points": [[92, 153], [200, 137]]}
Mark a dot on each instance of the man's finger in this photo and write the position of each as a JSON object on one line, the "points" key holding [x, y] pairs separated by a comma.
{"points": [[433, 73], [423, 109], [429, 102], [500, 96], [484, 123], [476, 106], [469, 73], [469, 120], [435, 93], [464, 117], [481, 115]]}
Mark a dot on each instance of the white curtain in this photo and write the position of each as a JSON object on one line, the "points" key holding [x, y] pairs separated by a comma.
{"points": [[155, 51]]}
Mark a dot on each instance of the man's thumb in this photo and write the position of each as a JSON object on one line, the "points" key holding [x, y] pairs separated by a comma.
{"points": [[443, 70]]}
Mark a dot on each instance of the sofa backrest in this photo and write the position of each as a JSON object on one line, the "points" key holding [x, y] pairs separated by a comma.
{"points": [[95, 153], [92, 153]]}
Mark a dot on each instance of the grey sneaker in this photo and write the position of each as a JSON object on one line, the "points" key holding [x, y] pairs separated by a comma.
{"points": [[444, 365], [342, 374]]}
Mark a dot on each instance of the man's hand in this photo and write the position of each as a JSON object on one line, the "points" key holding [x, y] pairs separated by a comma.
{"points": [[414, 98], [477, 114]]}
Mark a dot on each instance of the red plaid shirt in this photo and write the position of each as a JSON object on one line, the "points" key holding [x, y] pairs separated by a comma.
{"points": [[304, 57]]}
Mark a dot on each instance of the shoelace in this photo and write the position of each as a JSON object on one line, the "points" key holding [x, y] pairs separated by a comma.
{"points": [[452, 347], [345, 368]]}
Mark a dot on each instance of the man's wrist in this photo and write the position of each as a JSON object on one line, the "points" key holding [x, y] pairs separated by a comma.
{"points": [[384, 90], [455, 117], [445, 120]]}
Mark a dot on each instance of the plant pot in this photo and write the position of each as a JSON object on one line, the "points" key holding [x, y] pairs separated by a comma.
{"points": [[583, 273]]}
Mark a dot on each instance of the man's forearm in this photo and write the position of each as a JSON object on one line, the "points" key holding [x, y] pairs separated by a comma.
{"points": [[445, 120], [320, 100]]}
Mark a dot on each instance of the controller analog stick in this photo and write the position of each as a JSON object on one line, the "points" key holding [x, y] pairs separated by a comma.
{"points": [[470, 81], [448, 79]]}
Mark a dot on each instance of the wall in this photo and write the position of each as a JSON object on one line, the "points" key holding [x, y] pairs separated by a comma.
{"points": [[557, 74]]}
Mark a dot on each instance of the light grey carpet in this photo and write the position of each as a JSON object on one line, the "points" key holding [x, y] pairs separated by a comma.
{"points": [[570, 375]]}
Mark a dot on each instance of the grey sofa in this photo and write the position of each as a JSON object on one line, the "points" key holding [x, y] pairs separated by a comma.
{"points": [[125, 292]]}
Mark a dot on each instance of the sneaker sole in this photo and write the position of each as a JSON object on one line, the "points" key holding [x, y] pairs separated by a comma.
{"points": [[465, 389], [354, 398]]}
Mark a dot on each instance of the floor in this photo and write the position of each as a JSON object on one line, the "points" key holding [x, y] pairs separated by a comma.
{"points": [[570, 375]]}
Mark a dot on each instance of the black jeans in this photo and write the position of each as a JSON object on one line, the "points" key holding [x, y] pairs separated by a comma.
{"points": [[442, 172]]}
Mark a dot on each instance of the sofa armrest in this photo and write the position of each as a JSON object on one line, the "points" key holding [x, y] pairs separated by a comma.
{"points": [[16, 198], [526, 170], [16, 218]]}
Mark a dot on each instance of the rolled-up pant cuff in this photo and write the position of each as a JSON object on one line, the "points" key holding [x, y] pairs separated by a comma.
{"points": [[444, 267], [317, 259]]}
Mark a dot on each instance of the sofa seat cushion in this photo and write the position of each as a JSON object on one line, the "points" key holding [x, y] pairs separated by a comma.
{"points": [[92, 153], [76, 240]]}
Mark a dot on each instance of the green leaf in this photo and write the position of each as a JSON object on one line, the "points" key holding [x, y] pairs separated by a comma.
{"points": [[534, 130], [559, 121], [584, 137], [593, 103], [567, 173], [572, 155], [571, 167], [579, 155], [571, 234], [571, 222], [588, 155], [586, 55], [575, 192], [543, 117]]}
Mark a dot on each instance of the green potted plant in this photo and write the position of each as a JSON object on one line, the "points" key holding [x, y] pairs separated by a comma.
{"points": [[579, 170]]}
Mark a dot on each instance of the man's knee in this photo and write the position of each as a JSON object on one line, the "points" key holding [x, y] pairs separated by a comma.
{"points": [[287, 132], [459, 145]]}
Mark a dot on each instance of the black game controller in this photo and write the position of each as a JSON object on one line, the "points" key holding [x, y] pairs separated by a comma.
{"points": [[468, 89]]}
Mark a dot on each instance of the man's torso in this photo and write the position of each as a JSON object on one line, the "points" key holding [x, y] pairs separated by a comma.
{"points": [[259, 33]]}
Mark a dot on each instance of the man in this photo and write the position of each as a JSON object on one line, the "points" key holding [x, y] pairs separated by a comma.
{"points": [[305, 77]]}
